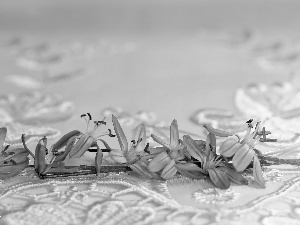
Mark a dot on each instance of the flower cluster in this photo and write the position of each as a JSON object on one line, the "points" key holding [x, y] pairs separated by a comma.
{"points": [[196, 159]]}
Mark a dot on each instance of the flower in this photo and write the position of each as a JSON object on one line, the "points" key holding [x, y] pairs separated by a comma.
{"points": [[131, 156], [169, 154], [211, 164], [12, 161], [243, 153]]}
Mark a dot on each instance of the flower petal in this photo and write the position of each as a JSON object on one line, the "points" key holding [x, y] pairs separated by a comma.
{"points": [[159, 162], [117, 155], [234, 176], [157, 150], [169, 171], [40, 153], [120, 134], [13, 170], [193, 148], [242, 158], [257, 173], [229, 147], [192, 174], [3, 132], [139, 133], [188, 167], [219, 178], [160, 141], [141, 168], [174, 134]]}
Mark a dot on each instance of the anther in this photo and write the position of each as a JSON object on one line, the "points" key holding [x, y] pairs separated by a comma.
{"points": [[102, 122], [249, 122], [146, 149], [110, 134], [6, 147], [90, 117], [83, 115]]}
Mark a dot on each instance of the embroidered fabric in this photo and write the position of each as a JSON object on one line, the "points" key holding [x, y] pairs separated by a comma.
{"points": [[126, 198]]}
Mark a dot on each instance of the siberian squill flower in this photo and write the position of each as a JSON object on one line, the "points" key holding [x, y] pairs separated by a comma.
{"points": [[169, 158], [213, 165], [131, 156], [243, 153], [12, 160]]}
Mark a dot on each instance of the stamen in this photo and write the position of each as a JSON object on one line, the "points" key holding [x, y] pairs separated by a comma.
{"points": [[6, 147], [249, 122], [255, 133], [102, 122], [90, 117], [110, 133], [146, 149]]}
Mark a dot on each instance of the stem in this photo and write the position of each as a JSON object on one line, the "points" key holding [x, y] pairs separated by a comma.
{"points": [[269, 161]]}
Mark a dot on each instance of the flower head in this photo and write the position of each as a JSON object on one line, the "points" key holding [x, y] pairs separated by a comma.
{"points": [[169, 155], [211, 164], [243, 153], [12, 161]]}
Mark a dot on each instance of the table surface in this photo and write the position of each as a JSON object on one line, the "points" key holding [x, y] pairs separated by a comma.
{"points": [[218, 62]]}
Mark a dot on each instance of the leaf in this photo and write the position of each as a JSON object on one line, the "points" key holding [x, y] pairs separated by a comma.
{"points": [[257, 173], [219, 178], [3, 132], [234, 176], [139, 133], [120, 134], [242, 158], [174, 134], [193, 148]]}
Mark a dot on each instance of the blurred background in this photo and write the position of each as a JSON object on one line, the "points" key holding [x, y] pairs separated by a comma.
{"points": [[167, 57]]}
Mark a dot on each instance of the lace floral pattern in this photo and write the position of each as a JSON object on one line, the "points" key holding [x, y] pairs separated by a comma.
{"points": [[277, 106], [56, 61], [131, 200]]}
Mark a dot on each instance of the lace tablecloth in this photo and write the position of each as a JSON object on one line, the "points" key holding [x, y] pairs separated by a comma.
{"points": [[217, 62]]}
